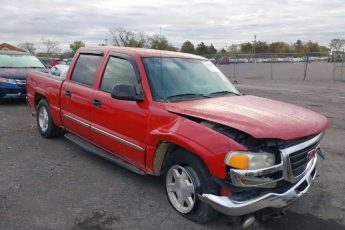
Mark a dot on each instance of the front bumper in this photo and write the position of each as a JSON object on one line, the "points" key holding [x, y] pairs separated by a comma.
{"points": [[9, 91], [232, 207]]}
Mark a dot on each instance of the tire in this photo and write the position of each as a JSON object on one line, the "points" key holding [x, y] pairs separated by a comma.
{"points": [[186, 176], [44, 120]]}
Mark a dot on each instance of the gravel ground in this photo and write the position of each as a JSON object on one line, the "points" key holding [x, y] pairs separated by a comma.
{"points": [[53, 184]]}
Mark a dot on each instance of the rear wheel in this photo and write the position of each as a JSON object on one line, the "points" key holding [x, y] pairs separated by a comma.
{"points": [[45, 123], [186, 176]]}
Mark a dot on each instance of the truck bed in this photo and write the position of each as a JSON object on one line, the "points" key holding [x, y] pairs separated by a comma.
{"points": [[41, 84]]}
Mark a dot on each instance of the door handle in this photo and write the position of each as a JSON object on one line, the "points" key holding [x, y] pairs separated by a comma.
{"points": [[68, 93], [97, 103]]}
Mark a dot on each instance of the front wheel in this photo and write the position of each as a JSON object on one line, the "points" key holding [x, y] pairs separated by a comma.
{"points": [[186, 176], [45, 123], [180, 187]]}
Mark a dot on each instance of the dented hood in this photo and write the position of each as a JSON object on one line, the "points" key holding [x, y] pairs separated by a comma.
{"points": [[259, 117]]}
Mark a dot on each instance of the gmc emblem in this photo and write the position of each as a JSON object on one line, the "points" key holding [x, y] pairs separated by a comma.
{"points": [[311, 154]]}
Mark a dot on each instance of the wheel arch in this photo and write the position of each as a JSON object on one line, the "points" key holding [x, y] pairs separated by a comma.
{"points": [[165, 150], [50, 129], [38, 97], [199, 176], [207, 144], [54, 109]]}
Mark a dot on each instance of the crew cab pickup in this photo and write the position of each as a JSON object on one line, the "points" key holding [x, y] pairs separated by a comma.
{"points": [[176, 115]]}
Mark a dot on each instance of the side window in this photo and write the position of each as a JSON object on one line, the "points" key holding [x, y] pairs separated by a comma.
{"points": [[118, 71], [85, 69]]}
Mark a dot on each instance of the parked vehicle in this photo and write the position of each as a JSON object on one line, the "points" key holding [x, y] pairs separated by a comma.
{"points": [[213, 60], [176, 115], [336, 56], [50, 62], [68, 61], [223, 60], [59, 70], [14, 67], [46, 62]]}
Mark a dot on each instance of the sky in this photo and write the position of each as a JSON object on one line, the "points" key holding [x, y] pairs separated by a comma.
{"points": [[221, 22]]}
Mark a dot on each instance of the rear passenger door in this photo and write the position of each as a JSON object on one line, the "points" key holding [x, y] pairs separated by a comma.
{"points": [[119, 126], [77, 94]]}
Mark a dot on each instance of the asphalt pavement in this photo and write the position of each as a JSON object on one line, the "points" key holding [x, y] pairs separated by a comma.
{"points": [[54, 184]]}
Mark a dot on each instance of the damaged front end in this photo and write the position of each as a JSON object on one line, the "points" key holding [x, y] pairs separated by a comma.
{"points": [[270, 174]]}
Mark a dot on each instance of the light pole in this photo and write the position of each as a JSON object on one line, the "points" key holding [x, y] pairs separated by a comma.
{"points": [[254, 48]]}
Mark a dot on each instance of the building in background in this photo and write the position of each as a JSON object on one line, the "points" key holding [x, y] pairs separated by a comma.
{"points": [[5, 46]]}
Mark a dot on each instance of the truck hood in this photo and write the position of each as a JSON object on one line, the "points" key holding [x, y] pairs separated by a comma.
{"points": [[256, 116], [18, 73]]}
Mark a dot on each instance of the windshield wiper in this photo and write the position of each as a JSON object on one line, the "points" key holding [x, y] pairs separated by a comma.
{"points": [[222, 93], [187, 95]]}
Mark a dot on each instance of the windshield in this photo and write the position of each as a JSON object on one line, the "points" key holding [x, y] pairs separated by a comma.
{"points": [[175, 79], [19, 61]]}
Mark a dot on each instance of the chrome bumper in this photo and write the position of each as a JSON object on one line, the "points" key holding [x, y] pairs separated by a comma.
{"points": [[228, 206]]}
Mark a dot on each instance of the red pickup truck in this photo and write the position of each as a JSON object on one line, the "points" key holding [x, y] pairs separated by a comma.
{"points": [[176, 115]]}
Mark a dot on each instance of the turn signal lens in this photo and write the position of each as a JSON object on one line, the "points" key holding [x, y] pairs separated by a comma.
{"points": [[239, 161]]}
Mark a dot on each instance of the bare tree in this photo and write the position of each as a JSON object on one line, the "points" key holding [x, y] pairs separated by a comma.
{"points": [[337, 44], [51, 47], [28, 46], [121, 37]]}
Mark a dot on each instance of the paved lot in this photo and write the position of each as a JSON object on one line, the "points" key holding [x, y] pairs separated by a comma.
{"points": [[53, 184]]}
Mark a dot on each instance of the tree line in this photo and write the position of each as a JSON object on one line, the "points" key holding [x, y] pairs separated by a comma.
{"points": [[122, 37], [125, 38], [257, 48]]}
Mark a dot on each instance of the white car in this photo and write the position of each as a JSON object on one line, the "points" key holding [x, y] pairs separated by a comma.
{"points": [[59, 70]]}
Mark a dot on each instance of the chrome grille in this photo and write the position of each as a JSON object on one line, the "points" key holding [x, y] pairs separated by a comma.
{"points": [[299, 159]]}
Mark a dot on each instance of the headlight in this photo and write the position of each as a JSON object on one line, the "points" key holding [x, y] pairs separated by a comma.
{"points": [[252, 169], [249, 160], [6, 80]]}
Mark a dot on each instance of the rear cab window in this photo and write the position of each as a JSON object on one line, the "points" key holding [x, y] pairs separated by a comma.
{"points": [[85, 69]]}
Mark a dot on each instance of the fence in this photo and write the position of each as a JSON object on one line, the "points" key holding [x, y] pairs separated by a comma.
{"points": [[318, 66], [338, 59]]}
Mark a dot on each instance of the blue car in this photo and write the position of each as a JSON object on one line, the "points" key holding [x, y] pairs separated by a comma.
{"points": [[14, 67]]}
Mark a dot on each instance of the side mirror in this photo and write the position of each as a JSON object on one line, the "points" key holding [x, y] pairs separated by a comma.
{"points": [[126, 92]]}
